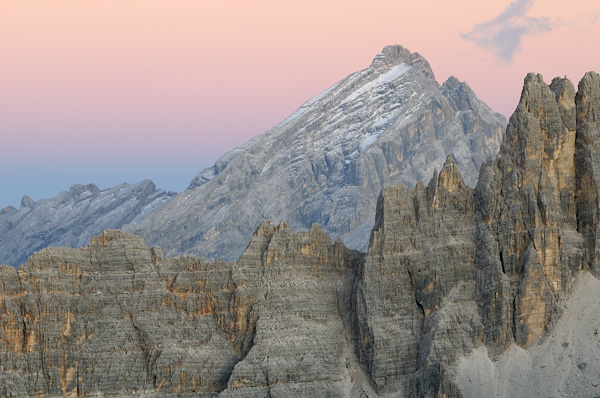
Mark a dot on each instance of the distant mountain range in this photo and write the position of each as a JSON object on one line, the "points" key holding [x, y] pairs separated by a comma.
{"points": [[326, 164], [71, 218]]}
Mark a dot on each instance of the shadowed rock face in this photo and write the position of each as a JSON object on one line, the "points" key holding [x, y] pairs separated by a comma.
{"points": [[415, 293], [327, 163], [450, 271]]}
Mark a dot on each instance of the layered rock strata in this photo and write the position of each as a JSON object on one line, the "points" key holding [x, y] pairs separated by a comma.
{"points": [[452, 268], [453, 275], [119, 319], [415, 294]]}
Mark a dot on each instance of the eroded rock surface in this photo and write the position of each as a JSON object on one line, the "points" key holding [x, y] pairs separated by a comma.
{"points": [[453, 275], [452, 268], [415, 292], [391, 122], [117, 318]]}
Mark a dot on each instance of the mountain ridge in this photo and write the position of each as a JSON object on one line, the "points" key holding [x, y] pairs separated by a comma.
{"points": [[72, 217], [387, 123], [460, 286], [346, 144]]}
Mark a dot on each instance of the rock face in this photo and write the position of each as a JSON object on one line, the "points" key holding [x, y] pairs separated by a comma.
{"points": [[587, 163], [72, 218], [117, 318], [528, 227], [460, 286], [451, 269], [415, 294], [327, 163], [563, 363]]}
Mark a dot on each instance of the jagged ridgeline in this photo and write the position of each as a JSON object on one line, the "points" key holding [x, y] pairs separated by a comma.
{"points": [[73, 217], [391, 122], [452, 274], [326, 163]]}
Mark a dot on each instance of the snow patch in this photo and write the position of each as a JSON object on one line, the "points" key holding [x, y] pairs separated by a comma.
{"points": [[362, 90], [382, 79], [394, 73], [368, 141], [294, 115]]}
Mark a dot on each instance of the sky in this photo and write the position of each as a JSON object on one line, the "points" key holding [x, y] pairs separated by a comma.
{"points": [[112, 91]]}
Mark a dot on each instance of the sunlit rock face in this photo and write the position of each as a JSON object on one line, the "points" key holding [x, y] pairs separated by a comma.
{"points": [[459, 286], [452, 268]]}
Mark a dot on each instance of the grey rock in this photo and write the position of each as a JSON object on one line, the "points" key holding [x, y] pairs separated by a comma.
{"points": [[117, 318], [328, 161], [71, 218], [113, 319], [450, 271], [27, 201], [303, 341], [450, 268], [528, 236], [587, 163], [415, 294]]}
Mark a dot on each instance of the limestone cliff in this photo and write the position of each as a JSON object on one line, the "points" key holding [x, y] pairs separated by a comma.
{"points": [[415, 291], [118, 319], [453, 275], [452, 268]]}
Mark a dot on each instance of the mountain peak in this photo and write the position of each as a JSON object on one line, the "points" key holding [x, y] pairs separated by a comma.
{"points": [[326, 163], [396, 54], [79, 189], [452, 82], [534, 78], [26, 201], [450, 177], [7, 210], [72, 217], [589, 85]]}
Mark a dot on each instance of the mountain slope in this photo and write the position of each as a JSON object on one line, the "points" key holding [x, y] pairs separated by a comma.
{"points": [[71, 218], [327, 162], [463, 293]]}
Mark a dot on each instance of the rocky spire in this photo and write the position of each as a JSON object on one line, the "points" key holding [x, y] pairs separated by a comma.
{"points": [[498, 260], [26, 201], [587, 163]]}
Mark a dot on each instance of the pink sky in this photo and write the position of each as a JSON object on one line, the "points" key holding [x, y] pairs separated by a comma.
{"points": [[108, 91]]}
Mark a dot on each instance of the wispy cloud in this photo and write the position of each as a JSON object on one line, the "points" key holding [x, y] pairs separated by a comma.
{"points": [[586, 20], [504, 33]]}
